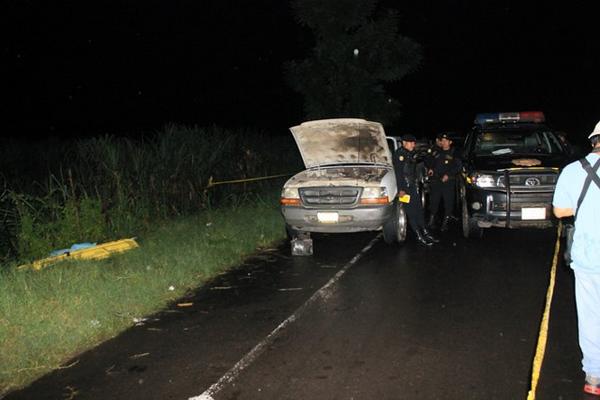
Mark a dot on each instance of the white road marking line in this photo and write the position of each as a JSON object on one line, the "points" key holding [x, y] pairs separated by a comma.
{"points": [[323, 293]]}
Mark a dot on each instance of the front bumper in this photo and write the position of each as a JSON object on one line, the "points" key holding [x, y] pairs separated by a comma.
{"points": [[358, 219], [521, 209]]}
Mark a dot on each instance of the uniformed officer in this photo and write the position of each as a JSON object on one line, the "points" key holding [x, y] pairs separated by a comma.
{"points": [[428, 161], [444, 167], [432, 151], [405, 167]]}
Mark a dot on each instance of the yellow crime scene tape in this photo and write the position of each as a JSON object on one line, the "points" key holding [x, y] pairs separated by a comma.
{"points": [[543, 334], [212, 183], [105, 250], [97, 252]]}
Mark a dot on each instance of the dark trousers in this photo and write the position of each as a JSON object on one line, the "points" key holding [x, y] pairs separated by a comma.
{"points": [[442, 190], [414, 210]]}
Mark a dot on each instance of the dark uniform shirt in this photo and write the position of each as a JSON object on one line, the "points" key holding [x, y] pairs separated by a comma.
{"points": [[405, 168], [444, 162], [431, 154]]}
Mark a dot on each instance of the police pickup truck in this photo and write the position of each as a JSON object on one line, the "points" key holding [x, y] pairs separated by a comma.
{"points": [[511, 164]]}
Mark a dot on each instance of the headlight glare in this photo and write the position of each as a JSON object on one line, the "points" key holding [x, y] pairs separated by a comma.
{"points": [[290, 193], [374, 192], [289, 197], [484, 180], [374, 196]]}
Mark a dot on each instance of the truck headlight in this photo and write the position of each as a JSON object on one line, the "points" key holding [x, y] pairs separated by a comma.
{"points": [[289, 197], [484, 180], [374, 195]]}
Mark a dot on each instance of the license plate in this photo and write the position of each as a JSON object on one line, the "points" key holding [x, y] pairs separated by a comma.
{"points": [[533, 213], [328, 217]]}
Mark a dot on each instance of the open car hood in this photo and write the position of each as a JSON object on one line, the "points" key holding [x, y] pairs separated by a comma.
{"points": [[342, 141], [348, 175]]}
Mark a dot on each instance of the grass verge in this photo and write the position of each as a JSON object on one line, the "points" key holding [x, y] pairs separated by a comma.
{"points": [[48, 317]]}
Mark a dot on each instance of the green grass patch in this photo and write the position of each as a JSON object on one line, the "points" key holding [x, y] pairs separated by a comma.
{"points": [[50, 316]]}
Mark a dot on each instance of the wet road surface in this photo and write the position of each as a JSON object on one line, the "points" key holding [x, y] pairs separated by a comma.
{"points": [[456, 321]]}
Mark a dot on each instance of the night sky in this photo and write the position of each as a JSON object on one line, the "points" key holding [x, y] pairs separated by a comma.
{"points": [[82, 68]]}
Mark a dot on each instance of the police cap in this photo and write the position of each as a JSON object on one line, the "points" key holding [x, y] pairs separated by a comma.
{"points": [[409, 138], [443, 135]]}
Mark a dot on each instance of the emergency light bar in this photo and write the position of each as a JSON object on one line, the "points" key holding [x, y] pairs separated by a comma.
{"points": [[506, 117]]}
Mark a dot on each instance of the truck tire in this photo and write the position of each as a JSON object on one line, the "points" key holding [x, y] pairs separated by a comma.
{"points": [[394, 230], [469, 225], [290, 233], [423, 195]]}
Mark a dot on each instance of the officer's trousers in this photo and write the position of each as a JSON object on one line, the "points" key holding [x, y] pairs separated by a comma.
{"points": [[414, 210], [442, 190]]}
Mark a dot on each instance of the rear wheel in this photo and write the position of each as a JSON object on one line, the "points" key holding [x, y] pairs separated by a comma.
{"points": [[394, 230]]}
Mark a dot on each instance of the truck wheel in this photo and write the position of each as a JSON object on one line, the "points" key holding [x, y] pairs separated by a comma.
{"points": [[394, 230], [469, 225], [290, 233], [465, 217], [472, 230], [301, 244], [423, 195]]}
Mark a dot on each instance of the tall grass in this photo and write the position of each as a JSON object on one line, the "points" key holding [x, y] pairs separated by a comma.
{"points": [[116, 186]]}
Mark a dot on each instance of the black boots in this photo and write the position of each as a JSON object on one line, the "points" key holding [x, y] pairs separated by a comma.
{"points": [[421, 238], [431, 222], [428, 235], [445, 223], [425, 237]]}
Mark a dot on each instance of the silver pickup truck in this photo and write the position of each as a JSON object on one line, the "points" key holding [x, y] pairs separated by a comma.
{"points": [[348, 185]]}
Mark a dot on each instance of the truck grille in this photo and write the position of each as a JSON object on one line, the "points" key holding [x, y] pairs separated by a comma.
{"points": [[327, 196], [524, 200], [530, 181]]}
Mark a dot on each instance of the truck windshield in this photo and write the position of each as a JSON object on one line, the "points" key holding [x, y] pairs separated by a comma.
{"points": [[517, 141]]}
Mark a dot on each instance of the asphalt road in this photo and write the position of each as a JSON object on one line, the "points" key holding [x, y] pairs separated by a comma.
{"points": [[456, 321]]}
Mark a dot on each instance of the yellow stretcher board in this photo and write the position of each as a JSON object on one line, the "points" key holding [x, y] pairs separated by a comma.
{"points": [[98, 252]]}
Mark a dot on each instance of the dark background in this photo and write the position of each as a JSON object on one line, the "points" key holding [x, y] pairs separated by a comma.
{"points": [[78, 69]]}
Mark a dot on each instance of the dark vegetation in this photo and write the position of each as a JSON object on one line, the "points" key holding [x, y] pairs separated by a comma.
{"points": [[358, 50], [56, 193]]}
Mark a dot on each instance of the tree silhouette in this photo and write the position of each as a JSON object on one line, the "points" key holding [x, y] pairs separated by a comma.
{"points": [[357, 50]]}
